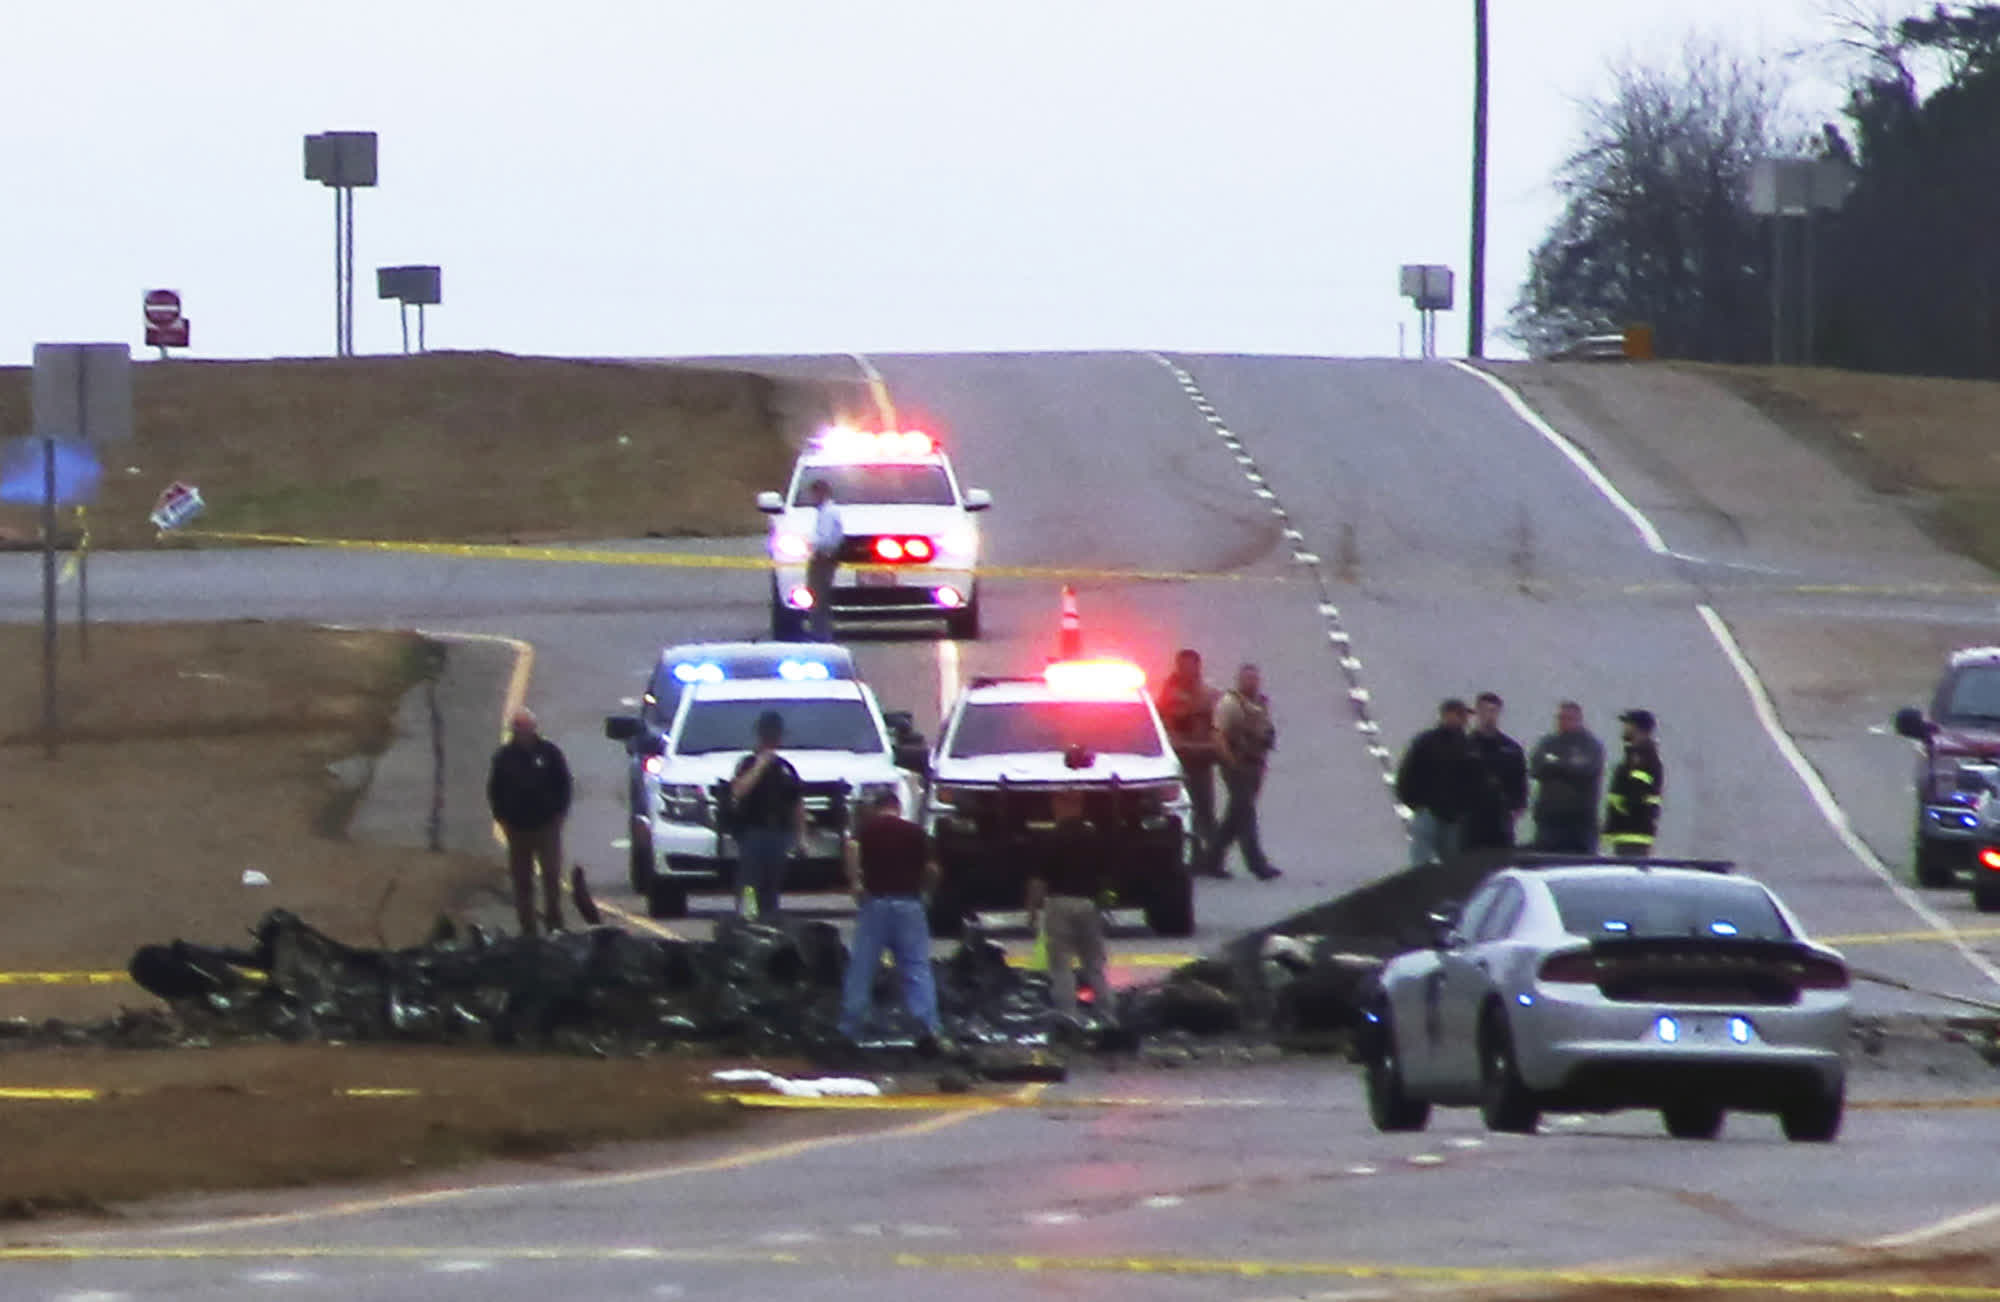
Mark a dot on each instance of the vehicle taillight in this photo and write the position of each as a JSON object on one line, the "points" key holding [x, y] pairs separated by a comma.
{"points": [[1989, 858], [889, 549], [918, 549], [1577, 965], [903, 549], [1822, 974]]}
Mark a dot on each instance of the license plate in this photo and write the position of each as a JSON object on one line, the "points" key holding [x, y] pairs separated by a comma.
{"points": [[876, 579]]}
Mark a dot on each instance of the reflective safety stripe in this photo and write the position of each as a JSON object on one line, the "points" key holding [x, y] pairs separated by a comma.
{"points": [[1640, 775], [1619, 838]]}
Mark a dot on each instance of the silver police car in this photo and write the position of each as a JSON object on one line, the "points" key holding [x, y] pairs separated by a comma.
{"points": [[1599, 986]]}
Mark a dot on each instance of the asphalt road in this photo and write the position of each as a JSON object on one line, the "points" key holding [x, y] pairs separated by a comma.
{"points": [[1398, 505]]}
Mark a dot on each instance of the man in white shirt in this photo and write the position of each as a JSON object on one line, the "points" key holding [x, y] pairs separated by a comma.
{"points": [[828, 535]]}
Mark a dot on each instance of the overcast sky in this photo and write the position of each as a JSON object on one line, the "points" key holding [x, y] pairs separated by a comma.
{"points": [[658, 177]]}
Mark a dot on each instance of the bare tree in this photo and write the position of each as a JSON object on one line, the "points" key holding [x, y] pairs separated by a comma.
{"points": [[1654, 226]]}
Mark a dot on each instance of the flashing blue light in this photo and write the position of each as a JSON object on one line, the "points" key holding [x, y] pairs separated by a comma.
{"points": [[1739, 1030], [1613, 924], [1525, 999], [1668, 1030], [1722, 928], [706, 671], [1968, 820], [803, 670]]}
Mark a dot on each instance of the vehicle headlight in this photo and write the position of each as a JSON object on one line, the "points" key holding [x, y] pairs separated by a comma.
{"points": [[1162, 795], [685, 802], [789, 547], [960, 544]]}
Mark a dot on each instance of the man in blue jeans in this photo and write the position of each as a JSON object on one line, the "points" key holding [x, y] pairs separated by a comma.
{"points": [[770, 816], [890, 865]]}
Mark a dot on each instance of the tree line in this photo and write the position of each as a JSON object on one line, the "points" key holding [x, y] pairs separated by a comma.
{"points": [[1656, 225]]}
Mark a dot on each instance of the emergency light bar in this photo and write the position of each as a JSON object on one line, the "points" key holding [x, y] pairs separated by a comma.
{"points": [[704, 671], [850, 444], [798, 671], [1095, 677]]}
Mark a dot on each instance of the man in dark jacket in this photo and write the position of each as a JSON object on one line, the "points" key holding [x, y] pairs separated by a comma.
{"points": [[770, 814], [1434, 781], [1065, 880], [1500, 788], [1568, 768], [1187, 708], [1632, 806], [528, 790]]}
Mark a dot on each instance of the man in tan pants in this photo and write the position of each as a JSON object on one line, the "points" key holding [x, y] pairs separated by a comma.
{"points": [[1063, 890]]}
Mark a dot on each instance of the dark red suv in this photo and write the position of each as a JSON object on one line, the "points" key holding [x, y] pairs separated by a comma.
{"points": [[1958, 776]]}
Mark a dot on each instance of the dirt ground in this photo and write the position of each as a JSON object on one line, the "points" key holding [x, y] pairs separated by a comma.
{"points": [[1929, 439], [454, 446]]}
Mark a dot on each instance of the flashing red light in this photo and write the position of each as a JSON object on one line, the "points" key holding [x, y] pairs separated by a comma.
{"points": [[1094, 677], [850, 444], [918, 549], [889, 549], [1989, 858], [800, 597]]}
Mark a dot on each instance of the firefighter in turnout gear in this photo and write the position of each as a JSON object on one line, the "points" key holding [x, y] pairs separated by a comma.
{"points": [[1632, 805]]}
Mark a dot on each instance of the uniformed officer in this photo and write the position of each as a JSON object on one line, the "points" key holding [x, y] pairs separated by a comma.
{"points": [[1632, 805]]}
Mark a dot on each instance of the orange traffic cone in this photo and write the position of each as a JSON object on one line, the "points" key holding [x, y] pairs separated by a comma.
{"points": [[1070, 644]]}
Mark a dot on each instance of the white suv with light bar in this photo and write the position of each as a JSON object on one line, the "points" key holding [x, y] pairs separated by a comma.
{"points": [[837, 738], [1008, 743], [912, 545]]}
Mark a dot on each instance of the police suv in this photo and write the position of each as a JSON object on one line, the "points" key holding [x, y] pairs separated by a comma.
{"points": [[912, 544], [844, 748], [1009, 742]]}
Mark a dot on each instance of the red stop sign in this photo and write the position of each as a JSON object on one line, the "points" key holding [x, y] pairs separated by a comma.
{"points": [[163, 307]]}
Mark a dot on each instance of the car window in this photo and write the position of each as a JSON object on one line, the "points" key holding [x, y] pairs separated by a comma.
{"points": [[1025, 727], [1974, 694], [873, 485], [1505, 912], [1663, 907], [1473, 914], [711, 726]]}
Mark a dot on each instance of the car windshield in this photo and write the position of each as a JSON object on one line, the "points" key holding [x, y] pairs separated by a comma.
{"points": [[1975, 694], [1668, 907], [712, 726], [878, 485], [1024, 727]]}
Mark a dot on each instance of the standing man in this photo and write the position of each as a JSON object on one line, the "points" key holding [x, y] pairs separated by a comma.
{"points": [[528, 789], [1568, 767], [1632, 808], [890, 866], [1245, 736], [1433, 780], [1063, 889], [829, 532], [1187, 708], [770, 817], [1500, 791]]}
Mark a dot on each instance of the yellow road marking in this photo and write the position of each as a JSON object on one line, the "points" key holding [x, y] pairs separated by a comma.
{"points": [[1006, 1263], [54, 1094], [63, 978], [1913, 937]]}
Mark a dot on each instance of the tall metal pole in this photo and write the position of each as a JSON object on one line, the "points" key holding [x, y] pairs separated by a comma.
{"points": [[350, 270], [49, 714], [339, 279], [1475, 343]]}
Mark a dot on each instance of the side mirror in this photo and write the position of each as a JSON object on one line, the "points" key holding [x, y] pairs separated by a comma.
{"points": [[1911, 723], [621, 727], [977, 499], [770, 503]]}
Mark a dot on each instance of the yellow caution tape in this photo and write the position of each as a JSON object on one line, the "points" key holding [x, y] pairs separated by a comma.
{"points": [[63, 978], [18, 1093]]}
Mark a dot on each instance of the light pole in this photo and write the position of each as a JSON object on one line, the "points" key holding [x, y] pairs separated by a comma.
{"points": [[342, 161], [1475, 328]]}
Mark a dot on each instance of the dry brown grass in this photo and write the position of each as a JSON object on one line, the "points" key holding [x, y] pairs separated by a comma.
{"points": [[465, 446], [1930, 439]]}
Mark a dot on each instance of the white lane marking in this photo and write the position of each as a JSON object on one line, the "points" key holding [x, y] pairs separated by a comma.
{"points": [[1822, 798], [636, 1254], [1158, 1201], [1574, 454], [947, 677], [1760, 699], [1054, 1218], [927, 1231], [629, 702], [92, 1295], [669, 1290], [877, 388], [1363, 1170], [1730, 565], [1972, 1220], [779, 1237], [867, 1230], [1465, 1141], [621, 843], [460, 1267], [276, 1277], [1305, 558], [1424, 1159]]}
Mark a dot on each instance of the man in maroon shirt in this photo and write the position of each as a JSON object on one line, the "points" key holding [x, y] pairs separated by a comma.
{"points": [[890, 865]]}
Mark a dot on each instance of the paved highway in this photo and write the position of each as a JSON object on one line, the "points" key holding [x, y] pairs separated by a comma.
{"points": [[1400, 505]]}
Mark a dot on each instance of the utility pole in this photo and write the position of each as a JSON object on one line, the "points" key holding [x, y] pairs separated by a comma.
{"points": [[1475, 342]]}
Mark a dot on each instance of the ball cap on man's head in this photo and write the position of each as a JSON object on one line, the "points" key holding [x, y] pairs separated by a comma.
{"points": [[1453, 705], [1640, 719], [770, 725]]}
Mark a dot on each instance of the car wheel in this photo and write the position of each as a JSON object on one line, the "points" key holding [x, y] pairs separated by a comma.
{"points": [[1933, 862], [666, 898], [1693, 1119], [1390, 1106], [1504, 1101], [643, 869], [1813, 1117], [964, 624], [1170, 910]]}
